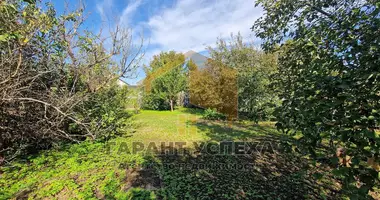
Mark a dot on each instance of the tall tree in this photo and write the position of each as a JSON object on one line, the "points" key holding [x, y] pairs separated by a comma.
{"points": [[329, 75], [256, 99], [166, 76], [214, 86]]}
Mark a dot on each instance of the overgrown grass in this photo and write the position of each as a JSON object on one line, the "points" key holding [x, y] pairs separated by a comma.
{"points": [[111, 170]]}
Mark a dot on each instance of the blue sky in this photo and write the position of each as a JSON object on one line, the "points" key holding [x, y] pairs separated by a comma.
{"points": [[179, 25]]}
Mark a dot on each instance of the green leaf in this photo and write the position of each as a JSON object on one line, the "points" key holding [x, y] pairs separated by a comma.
{"points": [[334, 160], [355, 161], [4, 38], [318, 175], [337, 172]]}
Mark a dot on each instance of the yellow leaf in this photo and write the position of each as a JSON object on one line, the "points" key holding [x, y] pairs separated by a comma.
{"points": [[26, 40]]}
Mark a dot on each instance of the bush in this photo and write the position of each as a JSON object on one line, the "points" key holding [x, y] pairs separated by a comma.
{"points": [[57, 83], [154, 101], [140, 194], [212, 114], [107, 113]]}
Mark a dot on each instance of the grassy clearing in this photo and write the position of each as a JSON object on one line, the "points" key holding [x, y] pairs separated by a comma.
{"points": [[110, 171]]}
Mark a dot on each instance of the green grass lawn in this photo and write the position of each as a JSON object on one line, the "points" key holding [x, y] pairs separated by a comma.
{"points": [[111, 170]]}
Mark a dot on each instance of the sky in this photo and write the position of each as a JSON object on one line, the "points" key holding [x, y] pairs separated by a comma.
{"points": [[179, 25]]}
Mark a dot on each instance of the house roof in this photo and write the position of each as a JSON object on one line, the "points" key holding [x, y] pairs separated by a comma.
{"points": [[123, 83], [199, 59]]}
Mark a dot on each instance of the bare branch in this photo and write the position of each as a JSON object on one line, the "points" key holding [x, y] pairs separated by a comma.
{"points": [[56, 108]]}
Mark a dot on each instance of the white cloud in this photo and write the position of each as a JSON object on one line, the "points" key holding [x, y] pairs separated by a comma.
{"points": [[106, 10], [128, 12], [103, 8], [196, 24], [187, 24]]}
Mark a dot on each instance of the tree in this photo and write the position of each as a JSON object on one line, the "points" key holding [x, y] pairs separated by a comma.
{"points": [[166, 77], [256, 99], [329, 79], [214, 86], [51, 70]]}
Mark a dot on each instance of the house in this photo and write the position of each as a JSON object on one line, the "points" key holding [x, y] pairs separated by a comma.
{"points": [[199, 59], [135, 93]]}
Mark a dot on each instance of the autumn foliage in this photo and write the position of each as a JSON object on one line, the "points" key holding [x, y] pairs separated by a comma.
{"points": [[214, 86]]}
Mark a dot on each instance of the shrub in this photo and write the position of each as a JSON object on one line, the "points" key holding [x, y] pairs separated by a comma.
{"points": [[56, 82], [154, 101], [212, 114], [106, 111], [140, 194]]}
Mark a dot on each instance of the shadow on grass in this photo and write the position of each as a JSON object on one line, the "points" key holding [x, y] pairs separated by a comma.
{"points": [[195, 111], [232, 131], [257, 175], [265, 176]]}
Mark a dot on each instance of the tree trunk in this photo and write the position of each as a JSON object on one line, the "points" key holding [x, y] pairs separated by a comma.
{"points": [[171, 105]]}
